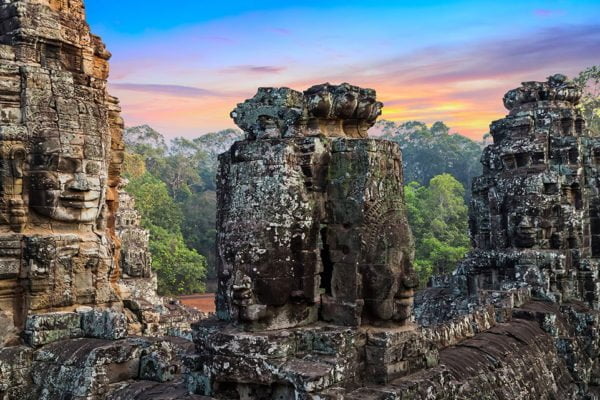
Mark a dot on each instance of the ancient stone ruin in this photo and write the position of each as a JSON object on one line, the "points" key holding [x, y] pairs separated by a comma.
{"points": [[534, 218], [75, 276], [61, 155], [316, 286], [316, 282], [533, 221], [311, 221]]}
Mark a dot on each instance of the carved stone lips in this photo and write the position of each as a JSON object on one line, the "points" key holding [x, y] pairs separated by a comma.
{"points": [[80, 200]]}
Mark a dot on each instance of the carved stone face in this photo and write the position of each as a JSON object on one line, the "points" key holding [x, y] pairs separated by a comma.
{"points": [[388, 267], [346, 101], [66, 188], [525, 231], [135, 264]]}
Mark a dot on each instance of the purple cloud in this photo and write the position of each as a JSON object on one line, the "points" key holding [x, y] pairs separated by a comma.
{"points": [[174, 90], [281, 31], [544, 12], [255, 69], [558, 48]]}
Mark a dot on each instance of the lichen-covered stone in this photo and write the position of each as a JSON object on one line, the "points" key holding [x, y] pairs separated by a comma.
{"points": [[42, 329], [145, 390], [105, 324], [534, 212], [312, 225], [15, 367], [87, 368], [330, 110]]}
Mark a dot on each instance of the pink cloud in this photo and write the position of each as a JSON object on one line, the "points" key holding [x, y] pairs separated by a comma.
{"points": [[173, 90], [461, 84]]}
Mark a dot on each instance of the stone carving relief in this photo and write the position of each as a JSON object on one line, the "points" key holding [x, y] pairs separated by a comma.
{"points": [[534, 214], [311, 219], [60, 156]]}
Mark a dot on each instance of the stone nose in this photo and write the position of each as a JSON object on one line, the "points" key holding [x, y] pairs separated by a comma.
{"points": [[79, 183]]}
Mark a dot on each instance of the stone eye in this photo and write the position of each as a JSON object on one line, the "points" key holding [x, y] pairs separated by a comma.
{"points": [[92, 168], [53, 162], [66, 165]]}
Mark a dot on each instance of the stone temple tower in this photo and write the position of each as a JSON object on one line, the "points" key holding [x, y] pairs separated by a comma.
{"points": [[311, 216], [61, 152], [60, 161], [313, 249], [535, 211]]}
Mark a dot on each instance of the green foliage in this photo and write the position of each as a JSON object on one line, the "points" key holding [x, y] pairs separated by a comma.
{"points": [[199, 228], [428, 152], [175, 189], [154, 203], [134, 165], [180, 270], [589, 81], [438, 217]]}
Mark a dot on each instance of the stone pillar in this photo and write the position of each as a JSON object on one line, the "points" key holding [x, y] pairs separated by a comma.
{"points": [[311, 218], [368, 243]]}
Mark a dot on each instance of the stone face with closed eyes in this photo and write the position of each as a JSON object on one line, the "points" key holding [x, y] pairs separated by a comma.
{"points": [[311, 220], [61, 152]]}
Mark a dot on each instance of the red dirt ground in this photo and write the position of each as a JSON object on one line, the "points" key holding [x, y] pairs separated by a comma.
{"points": [[203, 302]]}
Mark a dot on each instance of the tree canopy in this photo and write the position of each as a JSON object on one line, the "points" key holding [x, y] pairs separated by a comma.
{"points": [[430, 151], [438, 216], [174, 187]]}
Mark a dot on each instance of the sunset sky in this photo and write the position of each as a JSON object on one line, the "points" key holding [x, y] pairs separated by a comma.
{"points": [[181, 67]]}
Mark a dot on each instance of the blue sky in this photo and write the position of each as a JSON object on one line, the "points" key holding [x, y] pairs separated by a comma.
{"points": [[182, 68]]}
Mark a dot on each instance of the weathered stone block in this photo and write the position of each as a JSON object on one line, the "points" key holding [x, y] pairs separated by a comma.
{"points": [[15, 363], [42, 329], [341, 313], [106, 324]]}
